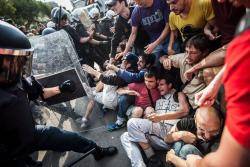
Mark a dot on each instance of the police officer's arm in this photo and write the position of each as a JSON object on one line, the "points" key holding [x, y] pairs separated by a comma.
{"points": [[131, 39], [36, 90]]}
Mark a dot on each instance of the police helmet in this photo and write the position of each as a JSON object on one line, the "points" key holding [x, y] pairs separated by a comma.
{"points": [[15, 49], [47, 31], [58, 14]]}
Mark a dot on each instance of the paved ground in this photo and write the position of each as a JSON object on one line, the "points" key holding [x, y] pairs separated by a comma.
{"points": [[96, 131]]}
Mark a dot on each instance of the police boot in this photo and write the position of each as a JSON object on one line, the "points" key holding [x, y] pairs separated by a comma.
{"points": [[101, 152]]}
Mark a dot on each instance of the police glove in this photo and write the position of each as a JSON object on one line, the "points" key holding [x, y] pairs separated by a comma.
{"points": [[32, 87], [67, 87]]}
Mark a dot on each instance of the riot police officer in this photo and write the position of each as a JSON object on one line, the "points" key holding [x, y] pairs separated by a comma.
{"points": [[19, 135]]}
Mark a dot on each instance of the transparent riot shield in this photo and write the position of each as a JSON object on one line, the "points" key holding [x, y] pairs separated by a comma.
{"points": [[54, 61]]}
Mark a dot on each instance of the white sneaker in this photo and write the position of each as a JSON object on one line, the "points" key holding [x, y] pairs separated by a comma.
{"points": [[84, 123]]}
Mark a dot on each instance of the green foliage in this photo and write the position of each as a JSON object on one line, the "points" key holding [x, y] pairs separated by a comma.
{"points": [[24, 11]]}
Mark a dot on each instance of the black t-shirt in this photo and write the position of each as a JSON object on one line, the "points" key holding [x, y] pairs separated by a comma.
{"points": [[16, 123], [227, 18], [188, 124]]}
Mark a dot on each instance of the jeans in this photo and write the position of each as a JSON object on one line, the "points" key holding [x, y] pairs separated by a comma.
{"points": [[55, 139], [182, 150], [124, 101]]}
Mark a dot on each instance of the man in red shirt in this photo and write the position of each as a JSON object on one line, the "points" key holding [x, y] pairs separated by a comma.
{"points": [[234, 149], [146, 94]]}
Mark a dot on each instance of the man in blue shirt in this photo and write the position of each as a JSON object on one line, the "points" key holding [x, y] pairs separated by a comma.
{"points": [[151, 16]]}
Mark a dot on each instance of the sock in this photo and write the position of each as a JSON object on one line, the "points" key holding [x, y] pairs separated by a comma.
{"points": [[120, 121], [149, 152]]}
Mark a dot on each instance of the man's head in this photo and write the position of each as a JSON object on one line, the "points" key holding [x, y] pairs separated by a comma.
{"points": [[165, 84], [59, 16], [208, 123], [145, 61], [15, 49], [246, 3], [150, 79], [177, 6], [117, 5], [197, 47], [144, 3], [130, 61]]}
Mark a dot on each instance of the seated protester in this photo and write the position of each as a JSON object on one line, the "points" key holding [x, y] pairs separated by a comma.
{"points": [[145, 94], [200, 135], [105, 91], [227, 17], [189, 18], [197, 48], [144, 63], [150, 132]]}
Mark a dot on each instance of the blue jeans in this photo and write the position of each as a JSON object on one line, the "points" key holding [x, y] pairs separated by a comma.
{"points": [[124, 101], [182, 150]]}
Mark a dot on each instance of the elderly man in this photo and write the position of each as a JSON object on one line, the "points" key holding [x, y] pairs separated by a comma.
{"points": [[200, 134]]}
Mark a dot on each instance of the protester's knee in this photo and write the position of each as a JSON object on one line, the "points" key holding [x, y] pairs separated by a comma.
{"points": [[188, 149], [137, 112], [148, 111], [131, 124]]}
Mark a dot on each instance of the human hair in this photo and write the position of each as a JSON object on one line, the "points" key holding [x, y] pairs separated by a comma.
{"points": [[168, 78], [125, 2], [152, 72], [200, 42], [149, 59]]}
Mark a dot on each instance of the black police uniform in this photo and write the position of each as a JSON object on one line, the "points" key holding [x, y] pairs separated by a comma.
{"points": [[20, 136]]}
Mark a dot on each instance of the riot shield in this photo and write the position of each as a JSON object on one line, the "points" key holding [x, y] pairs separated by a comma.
{"points": [[54, 61]]}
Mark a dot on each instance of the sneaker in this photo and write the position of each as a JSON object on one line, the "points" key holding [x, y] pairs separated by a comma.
{"points": [[155, 161], [114, 126], [102, 152], [84, 123]]}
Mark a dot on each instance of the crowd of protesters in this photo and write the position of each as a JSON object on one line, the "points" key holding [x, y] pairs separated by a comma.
{"points": [[161, 64]]}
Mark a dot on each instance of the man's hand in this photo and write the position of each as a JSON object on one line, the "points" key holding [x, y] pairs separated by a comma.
{"points": [[167, 63], [188, 137], [133, 93], [91, 33], [192, 159], [112, 29], [149, 48], [206, 97], [112, 67], [119, 56], [154, 117], [171, 51], [67, 87], [170, 155], [189, 73], [90, 70]]}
